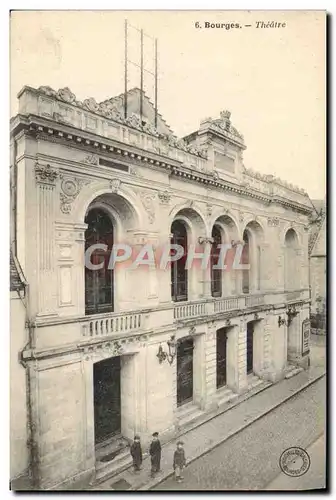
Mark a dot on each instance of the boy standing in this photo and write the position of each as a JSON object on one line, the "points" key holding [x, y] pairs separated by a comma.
{"points": [[155, 453], [179, 461], [136, 453]]}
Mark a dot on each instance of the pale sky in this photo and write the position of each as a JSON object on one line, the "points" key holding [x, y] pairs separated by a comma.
{"points": [[272, 80]]}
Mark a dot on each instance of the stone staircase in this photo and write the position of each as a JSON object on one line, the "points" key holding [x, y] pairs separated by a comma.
{"points": [[224, 396], [112, 458], [187, 414]]}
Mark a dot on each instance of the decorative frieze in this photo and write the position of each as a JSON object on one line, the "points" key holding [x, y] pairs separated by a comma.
{"points": [[117, 347], [91, 159]]}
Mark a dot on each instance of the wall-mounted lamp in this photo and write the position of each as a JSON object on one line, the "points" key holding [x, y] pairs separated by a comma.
{"points": [[162, 356], [291, 313]]}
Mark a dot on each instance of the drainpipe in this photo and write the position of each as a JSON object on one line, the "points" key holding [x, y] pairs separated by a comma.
{"points": [[30, 382]]}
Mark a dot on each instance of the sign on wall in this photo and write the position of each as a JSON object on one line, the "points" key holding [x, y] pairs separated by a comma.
{"points": [[305, 336]]}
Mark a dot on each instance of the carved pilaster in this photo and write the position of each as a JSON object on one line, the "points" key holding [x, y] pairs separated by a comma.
{"points": [[45, 183]]}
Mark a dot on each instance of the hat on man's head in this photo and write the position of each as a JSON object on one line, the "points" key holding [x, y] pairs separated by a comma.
{"points": [[137, 436], [180, 442], [155, 434]]}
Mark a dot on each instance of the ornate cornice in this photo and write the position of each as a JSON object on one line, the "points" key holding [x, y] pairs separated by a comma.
{"points": [[173, 166], [108, 109]]}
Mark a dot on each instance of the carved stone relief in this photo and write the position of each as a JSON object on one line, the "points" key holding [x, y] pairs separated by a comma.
{"points": [[70, 188], [164, 197], [45, 174], [147, 200]]}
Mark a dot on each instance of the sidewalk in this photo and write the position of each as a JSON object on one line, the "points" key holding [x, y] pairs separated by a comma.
{"points": [[212, 433]]}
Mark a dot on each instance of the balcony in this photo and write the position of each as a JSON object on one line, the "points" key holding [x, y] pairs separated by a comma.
{"points": [[108, 324], [112, 323], [60, 331]]}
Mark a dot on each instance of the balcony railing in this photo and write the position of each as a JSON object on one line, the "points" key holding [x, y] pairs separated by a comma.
{"points": [[189, 310], [127, 322], [111, 323], [227, 304]]}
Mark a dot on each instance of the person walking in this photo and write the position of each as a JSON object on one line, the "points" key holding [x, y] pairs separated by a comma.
{"points": [[136, 453], [155, 454], [179, 461]]}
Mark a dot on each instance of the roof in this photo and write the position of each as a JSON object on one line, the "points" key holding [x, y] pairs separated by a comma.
{"points": [[16, 282]]}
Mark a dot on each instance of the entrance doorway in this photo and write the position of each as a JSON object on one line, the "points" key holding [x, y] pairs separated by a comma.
{"points": [[221, 344], [107, 403], [184, 361], [249, 348]]}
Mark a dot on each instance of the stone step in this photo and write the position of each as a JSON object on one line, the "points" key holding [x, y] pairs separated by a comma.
{"points": [[187, 414], [253, 381], [225, 396], [104, 470], [292, 370], [185, 410]]}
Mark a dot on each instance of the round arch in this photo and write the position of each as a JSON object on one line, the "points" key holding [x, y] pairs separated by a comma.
{"points": [[121, 200]]}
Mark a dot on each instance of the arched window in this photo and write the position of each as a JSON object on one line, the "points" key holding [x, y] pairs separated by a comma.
{"points": [[292, 267], [246, 260], [98, 283], [179, 274], [216, 274]]}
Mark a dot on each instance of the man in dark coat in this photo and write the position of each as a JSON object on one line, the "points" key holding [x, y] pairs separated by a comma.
{"points": [[155, 453], [136, 453]]}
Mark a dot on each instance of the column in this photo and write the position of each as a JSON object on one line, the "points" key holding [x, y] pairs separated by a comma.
{"points": [[210, 366], [206, 244], [236, 358], [45, 184], [199, 372]]}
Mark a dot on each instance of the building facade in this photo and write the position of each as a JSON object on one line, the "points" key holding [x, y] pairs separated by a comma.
{"points": [[318, 267], [140, 349]]}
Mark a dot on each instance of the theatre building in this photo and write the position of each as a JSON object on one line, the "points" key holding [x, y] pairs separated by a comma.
{"points": [[135, 349]]}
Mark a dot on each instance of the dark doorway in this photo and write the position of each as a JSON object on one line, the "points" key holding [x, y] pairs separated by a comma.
{"points": [[249, 348], [221, 357], [185, 371], [107, 414]]}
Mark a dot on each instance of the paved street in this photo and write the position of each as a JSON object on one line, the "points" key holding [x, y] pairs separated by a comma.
{"points": [[250, 459]]}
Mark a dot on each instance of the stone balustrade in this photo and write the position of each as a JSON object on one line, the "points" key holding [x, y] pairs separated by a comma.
{"points": [[111, 323], [119, 323]]}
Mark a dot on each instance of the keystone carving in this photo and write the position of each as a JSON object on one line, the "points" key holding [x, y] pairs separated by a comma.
{"points": [[115, 185]]}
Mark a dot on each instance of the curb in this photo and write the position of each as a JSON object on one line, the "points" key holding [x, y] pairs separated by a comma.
{"points": [[152, 484]]}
